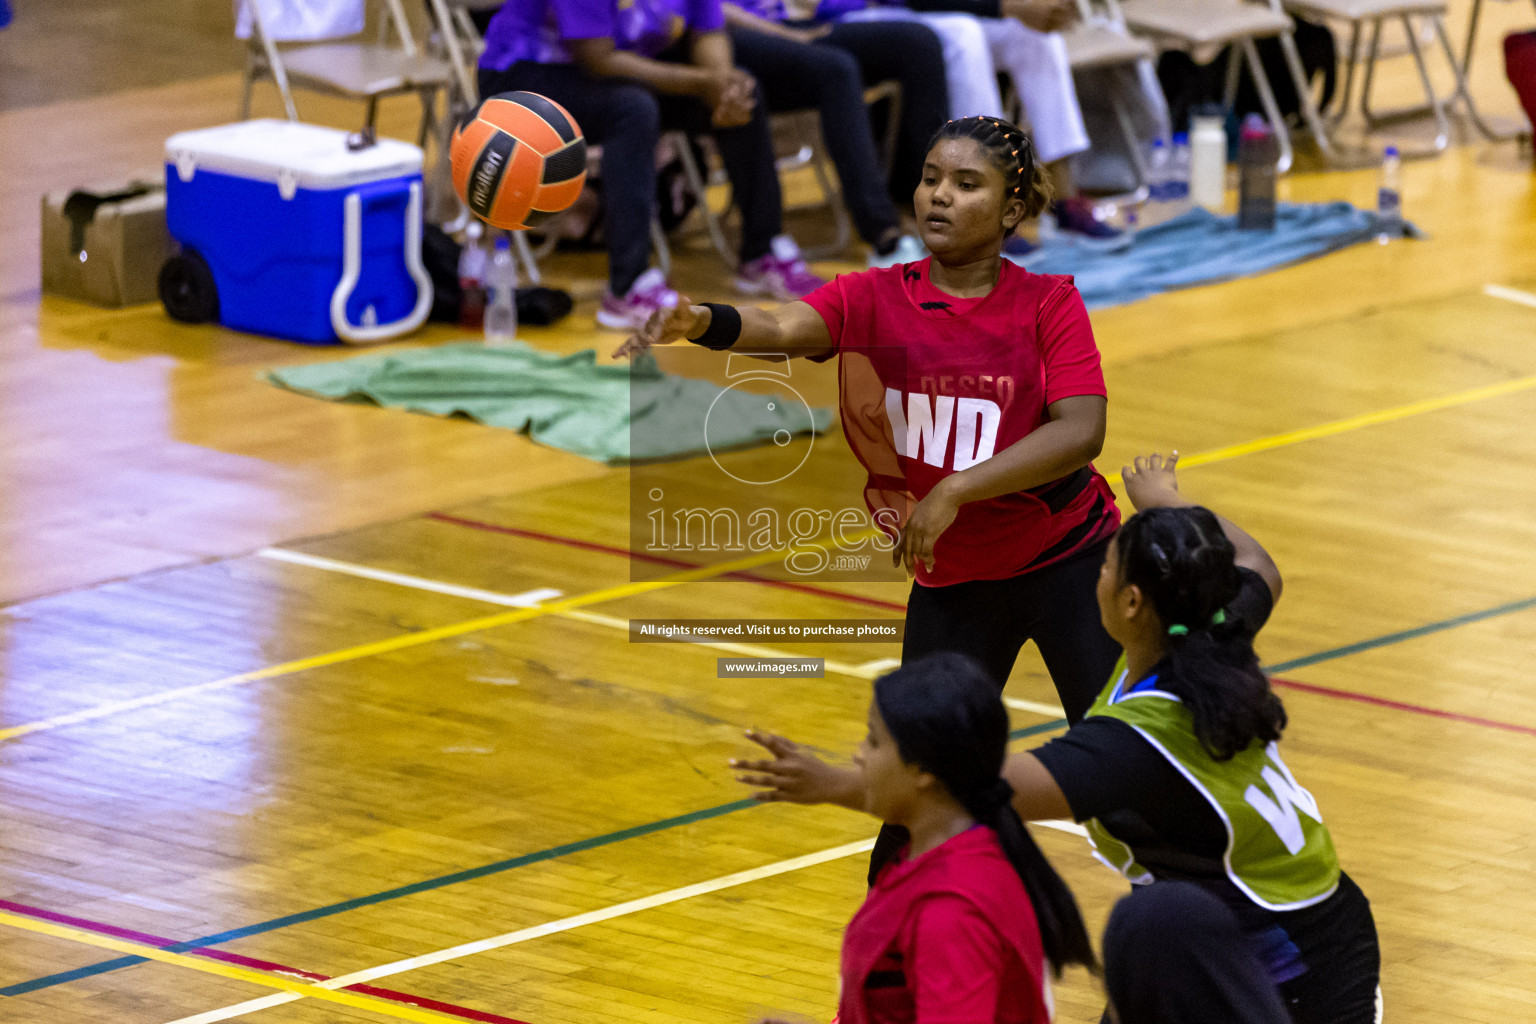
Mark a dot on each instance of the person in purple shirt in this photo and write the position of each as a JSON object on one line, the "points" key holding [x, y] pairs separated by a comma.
{"points": [[802, 65], [628, 70]]}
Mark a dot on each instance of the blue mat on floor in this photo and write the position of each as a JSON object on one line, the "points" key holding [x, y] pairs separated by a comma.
{"points": [[1200, 247]]}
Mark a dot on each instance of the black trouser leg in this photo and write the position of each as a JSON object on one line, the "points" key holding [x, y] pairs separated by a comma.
{"points": [[827, 79], [910, 53]]}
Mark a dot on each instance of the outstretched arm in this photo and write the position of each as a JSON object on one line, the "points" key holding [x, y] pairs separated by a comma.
{"points": [[793, 329], [1152, 483], [797, 776]]}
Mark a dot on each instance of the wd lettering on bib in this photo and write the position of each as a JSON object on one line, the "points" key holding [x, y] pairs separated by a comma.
{"points": [[921, 427]]}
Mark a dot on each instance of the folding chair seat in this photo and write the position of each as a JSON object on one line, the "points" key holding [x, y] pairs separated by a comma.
{"points": [[1202, 24], [352, 68], [1372, 15], [1100, 40]]}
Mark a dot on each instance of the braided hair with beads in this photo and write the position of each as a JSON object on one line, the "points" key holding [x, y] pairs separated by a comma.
{"points": [[1185, 566], [1011, 151]]}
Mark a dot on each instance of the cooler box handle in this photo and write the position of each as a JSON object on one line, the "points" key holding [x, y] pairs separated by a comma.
{"points": [[352, 266]]}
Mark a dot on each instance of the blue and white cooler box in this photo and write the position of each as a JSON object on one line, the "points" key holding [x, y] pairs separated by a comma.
{"points": [[305, 238]]}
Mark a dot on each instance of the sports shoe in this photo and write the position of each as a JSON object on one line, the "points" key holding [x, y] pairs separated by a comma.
{"points": [[780, 272], [648, 294], [1072, 219], [908, 250]]}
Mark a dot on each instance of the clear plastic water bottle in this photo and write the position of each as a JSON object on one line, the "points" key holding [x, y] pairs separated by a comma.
{"points": [[1389, 197], [501, 294], [472, 278], [1178, 170], [1157, 171]]}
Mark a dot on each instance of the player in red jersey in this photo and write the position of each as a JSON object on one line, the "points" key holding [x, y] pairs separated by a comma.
{"points": [[967, 922], [973, 396]]}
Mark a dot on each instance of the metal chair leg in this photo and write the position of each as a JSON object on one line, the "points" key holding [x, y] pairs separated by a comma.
{"points": [[526, 258], [1459, 72], [1442, 126], [1271, 108], [1370, 75], [1234, 72], [711, 222], [663, 250], [1310, 115], [1349, 73], [842, 231]]}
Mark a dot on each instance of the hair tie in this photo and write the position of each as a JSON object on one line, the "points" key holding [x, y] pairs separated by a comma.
{"points": [[1219, 617], [1177, 630], [994, 798]]}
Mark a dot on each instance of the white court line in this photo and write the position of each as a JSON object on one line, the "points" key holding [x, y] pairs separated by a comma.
{"points": [[565, 924], [533, 598], [1028, 705], [529, 599], [1498, 291]]}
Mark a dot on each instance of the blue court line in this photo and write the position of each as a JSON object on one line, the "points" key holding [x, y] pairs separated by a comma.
{"points": [[105, 966], [1407, 634]]}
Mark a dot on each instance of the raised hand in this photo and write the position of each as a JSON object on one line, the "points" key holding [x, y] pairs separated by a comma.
{"points": [[664, 327], [1151, 481], [796, 776]]}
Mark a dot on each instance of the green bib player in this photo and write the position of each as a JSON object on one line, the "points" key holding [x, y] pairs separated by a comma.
{"points": [[1177, 772]]}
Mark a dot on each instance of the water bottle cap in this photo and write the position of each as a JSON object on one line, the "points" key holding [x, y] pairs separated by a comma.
{"points": [[1157, 143], [1391, 151], [1255, 127], [1181, 138], [503, 242]]}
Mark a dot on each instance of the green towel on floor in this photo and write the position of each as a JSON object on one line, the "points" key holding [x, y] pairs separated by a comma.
{"points": [[566, 402]]}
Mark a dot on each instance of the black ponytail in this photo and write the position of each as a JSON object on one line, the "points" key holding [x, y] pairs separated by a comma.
{"points": [[1184, 564], [945, 715], [1011, 151]]}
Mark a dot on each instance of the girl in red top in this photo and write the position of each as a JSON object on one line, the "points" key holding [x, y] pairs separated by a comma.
{"points": [[972, 394], [959, 925]]}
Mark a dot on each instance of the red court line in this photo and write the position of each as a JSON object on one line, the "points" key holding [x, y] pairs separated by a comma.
{"points": [[252, 963], [676, 563], [587, 545], [1397, 705]]}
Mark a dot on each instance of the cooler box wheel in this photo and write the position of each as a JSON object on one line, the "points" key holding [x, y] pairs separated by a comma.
{"points": [[187, 289]]}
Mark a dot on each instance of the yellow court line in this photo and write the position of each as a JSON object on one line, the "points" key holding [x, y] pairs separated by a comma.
{"points": [[397, 643], [1368, 419], [223, 970], [428, 636]]}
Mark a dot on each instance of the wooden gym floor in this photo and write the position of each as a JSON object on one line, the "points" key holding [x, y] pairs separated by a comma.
{"points": [[232, 767]]}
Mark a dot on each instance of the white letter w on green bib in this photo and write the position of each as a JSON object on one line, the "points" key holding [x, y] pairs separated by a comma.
{"points": [[1280, 810]]}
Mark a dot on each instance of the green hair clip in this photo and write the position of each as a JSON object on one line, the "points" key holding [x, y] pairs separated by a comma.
{"points": [[1177, 630]]}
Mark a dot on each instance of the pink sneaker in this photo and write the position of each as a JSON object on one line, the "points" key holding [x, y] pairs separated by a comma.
{"points": [[648, 294], [780, 272]]}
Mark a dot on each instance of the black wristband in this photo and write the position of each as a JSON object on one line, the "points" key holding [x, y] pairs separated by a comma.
{"points": [[724, 327]]}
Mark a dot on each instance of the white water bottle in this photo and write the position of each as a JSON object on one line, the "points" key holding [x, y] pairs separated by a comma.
{"points": [[501, 295], [1208, 158], [1389, 196]]}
